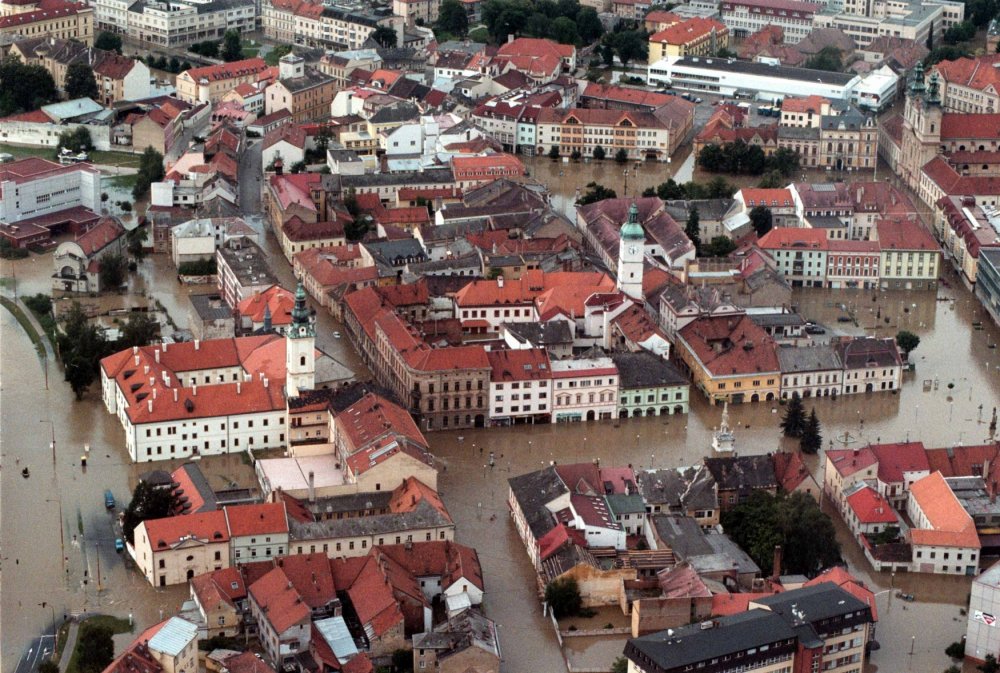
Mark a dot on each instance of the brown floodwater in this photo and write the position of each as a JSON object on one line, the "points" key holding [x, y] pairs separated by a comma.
{"points": [[961, 371]]}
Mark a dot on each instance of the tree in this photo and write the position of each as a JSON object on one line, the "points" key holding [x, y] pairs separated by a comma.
{"points": [[955, 651], [385, 37], [148, 502], [140, 329], [232, 46], [563, 596], [599, 153], [794, 422], [589, 25], [24, 88], [630, 45], [621, 156], [946, 53], [619, 665], [607, 54], [95, 648], [112, 273], [907, 342], [402, 661], [596, 192], [828, 58], [175, 65], [108, 42], [811, 440], [719, 246], [150, 171], [275, 54], [989, 665], [693, 227], [762, 219], [80, 82], [136, 242], [784, 161], [76, 140], [452, 18], [554, 152], [960, 32], [564, 31], [48, 666], [357, 228], [576, 155], [794, 521]]}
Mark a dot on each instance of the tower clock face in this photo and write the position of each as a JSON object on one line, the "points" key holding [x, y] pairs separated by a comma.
{"points": [[632, 249]]}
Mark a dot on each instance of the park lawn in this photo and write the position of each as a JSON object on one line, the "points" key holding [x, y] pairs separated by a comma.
{"points": [[126, 159], [117, 624], [250, 52], [123, 181]]}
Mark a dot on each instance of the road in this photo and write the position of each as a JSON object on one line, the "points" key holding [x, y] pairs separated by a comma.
{"points": [[250, 177], [38, 651]]}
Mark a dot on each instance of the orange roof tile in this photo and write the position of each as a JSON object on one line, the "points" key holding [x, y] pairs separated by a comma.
{"points": [[870, 507], [951, 524], [168, 532], [263, 518], [686, 32], [279, 601], [224, 71], [277, 299]]}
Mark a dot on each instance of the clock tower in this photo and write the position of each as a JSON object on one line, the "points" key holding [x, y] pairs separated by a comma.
{"points": [[632, 240], [300, 348]]}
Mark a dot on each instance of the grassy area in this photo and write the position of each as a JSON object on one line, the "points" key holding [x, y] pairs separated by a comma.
{"points": [[126, 159], [117, 625], [21, 318], [250, 52], [123, 181]]}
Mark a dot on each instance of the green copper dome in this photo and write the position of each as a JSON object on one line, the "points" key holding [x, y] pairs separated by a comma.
{"points": [[632, 230], [302, 325]]}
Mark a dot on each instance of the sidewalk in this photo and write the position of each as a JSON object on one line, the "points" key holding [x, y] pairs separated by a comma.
{"points": [[67, 652], [30, 317]]}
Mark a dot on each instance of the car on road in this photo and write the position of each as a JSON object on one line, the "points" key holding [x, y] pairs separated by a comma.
{"points": [[109, 500], [336, 335], [815, 329], [119, 545]]}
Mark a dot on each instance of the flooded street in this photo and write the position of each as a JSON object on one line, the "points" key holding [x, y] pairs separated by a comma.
{"points": [[962, 372]]}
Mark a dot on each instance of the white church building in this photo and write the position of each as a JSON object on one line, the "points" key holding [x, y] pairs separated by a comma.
{"points": [[212, 397]]}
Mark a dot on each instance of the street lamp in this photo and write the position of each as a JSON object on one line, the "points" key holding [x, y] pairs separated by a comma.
{"points": [[52, 426], [62, 534]]}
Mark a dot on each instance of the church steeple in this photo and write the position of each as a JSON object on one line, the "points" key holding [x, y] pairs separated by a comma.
{"points": [[917, 86], [632, 229], [302, 324], [631, 249], [933, 96], [300, 348]]}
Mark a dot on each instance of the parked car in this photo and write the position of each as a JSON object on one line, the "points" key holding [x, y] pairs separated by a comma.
{"points": [[336, 335], [109, 500], [119, 545], [815, 329]]}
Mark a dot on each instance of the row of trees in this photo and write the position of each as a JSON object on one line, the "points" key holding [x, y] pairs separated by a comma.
{"points": [[740, 158], [564, 21], [804, 428], [671, 190], [229, 48], [598, 153], [172, 65]]}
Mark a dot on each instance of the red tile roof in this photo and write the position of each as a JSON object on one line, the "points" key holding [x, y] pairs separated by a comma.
{"points": [[279, 602], [101, 235], [311, 577], [730, 345], [724, 605], [870, 507], [812, 104], [277, 299], [849, 461], [896, 234], [794, 237], [260, 519], [686, 32], [168, 532], [767, 197], [623, 94], [848, 583], [224, 71], [450, 560], [530, 364], [789, 469], [979, 72], [951, 525], [973, 126], [51, 9], [896, 459], [373, 417]]}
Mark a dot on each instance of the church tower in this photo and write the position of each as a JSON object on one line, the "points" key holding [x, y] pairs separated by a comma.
{"points": [[921, 125], [632, 240], [300, 348]]}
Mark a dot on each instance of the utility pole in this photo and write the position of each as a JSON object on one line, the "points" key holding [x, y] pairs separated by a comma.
{"points": [[52, 426]]}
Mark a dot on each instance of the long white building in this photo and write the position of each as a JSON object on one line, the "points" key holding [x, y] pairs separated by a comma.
{"points": [[727, 77]]}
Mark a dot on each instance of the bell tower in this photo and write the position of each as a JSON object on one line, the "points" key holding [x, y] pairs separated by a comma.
{"points": [[921, 125], [300, 348], [631, 244]]}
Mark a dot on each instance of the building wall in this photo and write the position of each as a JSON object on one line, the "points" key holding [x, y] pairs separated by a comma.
{"points": [[662, 401], [945, 560], [165, 567], [258, 547], [812, 384], [78, 26], [981, 638], [584, 397], [360, 545]]}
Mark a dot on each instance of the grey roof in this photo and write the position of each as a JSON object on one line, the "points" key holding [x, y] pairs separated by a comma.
{"points": [[620, 503], [826, 222], [683, 488], [798, 133], [336, 634], [723, 544], [708, 209], [400, 112], [533, 491], [645, 370], [466, 46], [808, 359], [441, 176], [200, 483], [467, 629], [743, 473], [682, 534], [776, 319], [352, 502], [398, 252], [552, 333], [676, 648], [211, 307], [424, 515], [248, 263], [312, 78], [173, 636], [813, 604], [765, 70], [861, 352]]}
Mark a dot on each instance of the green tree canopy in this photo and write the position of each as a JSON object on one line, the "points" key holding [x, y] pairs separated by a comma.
{"points": [[452, 18], [907, 342], [95, 647], [80, 82], [828, 58], [595, 192], [81, 347], [24, 88], [794, 521], [148, 502], [564, 31], [794, 422], [141, 329], [589, 25], [811, 440], [599, 153], [761, 219], [108, 42], [693, 228], [563, 596], [276, 53], [76, 140], [232, 46], [630, 45], [621, 156], [385, 36], [150, 171], [113, 272], [719, 246]]}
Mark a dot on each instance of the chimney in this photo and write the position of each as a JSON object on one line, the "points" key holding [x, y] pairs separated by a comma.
{"points": [[194, 389], [197, 344], [175, 394], [312, 486], [499, 281], [157, 352], [239, 387], [776, 571], [149, 403], [136, 360], [265, 382], [135, 350]]}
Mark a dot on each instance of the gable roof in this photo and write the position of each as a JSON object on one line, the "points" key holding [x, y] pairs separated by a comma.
{"points": [[951, 525], [279, 602]]}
